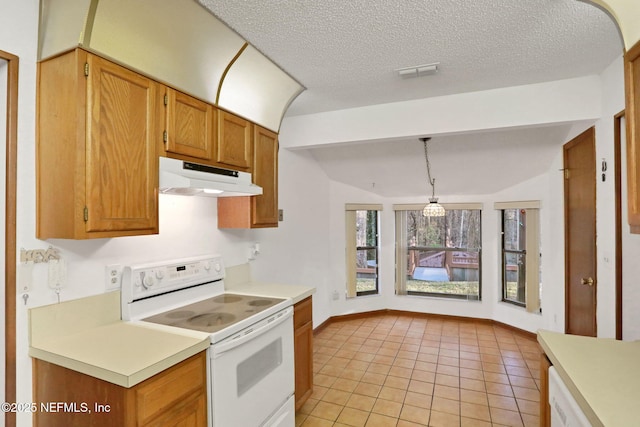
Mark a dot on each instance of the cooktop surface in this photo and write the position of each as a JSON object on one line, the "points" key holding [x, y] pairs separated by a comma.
{"points": [[214, 314]]}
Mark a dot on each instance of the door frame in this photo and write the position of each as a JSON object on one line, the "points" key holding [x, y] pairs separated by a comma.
{"points": [[617, 149], [10, 232]]}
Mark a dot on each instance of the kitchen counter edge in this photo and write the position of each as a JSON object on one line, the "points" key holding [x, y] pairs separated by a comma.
{"points": [[600, 374], [86, 335]]}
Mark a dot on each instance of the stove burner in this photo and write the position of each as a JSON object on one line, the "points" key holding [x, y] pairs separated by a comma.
{"points": [[259, 302], [227, 298], [181, 314], [212, 319]]}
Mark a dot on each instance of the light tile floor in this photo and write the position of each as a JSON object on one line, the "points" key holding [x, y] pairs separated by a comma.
{"points": [[403, 370]]}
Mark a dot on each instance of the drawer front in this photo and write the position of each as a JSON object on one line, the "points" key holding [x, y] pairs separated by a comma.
{"points": [[164, 391], [302, 313]]}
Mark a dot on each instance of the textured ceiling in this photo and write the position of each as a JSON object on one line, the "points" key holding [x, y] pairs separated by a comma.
{"points": [[345, 52]]}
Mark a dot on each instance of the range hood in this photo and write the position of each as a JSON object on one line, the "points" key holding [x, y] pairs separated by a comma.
{"points": [[193, 179], [176, 42]]}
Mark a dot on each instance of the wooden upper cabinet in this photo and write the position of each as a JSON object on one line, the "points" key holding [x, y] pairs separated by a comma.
{"points": [[265, 174], [190, 125], [235, 144], [632, 114], [97, 128], [256, 211]]}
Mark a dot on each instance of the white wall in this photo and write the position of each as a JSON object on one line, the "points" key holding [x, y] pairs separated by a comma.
{"points": [[630, 267], [18, 35], [562, 101], [612, 104], [547, 188], [298, 252]]}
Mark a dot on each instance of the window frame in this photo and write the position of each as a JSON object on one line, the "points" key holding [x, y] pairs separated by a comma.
{"points": [[352, 249], [532, 254], [402, 251], [521, 292]]}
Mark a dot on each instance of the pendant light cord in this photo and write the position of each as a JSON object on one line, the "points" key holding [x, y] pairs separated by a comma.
{"points": [[431, 181]]}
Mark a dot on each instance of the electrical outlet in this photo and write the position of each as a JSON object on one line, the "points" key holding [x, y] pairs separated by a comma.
{"points": [[113, 276], [57, 273]]}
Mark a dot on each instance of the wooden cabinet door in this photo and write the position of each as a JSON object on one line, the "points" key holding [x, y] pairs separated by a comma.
{"points": [[303, 350], [121, 162], [235, 145], [190, 124], [265, 174], [191, 413], [632, 114], [545, 410]]}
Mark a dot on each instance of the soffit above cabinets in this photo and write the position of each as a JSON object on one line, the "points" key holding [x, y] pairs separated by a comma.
{"points": [[179, 43]]}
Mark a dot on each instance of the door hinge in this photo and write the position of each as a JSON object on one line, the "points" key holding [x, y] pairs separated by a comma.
{"points": [[165, 137], [166, 99], [86, 214], [86, 69]]}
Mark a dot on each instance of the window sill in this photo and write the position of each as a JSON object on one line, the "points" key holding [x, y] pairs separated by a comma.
{"points": [[440, 298], [519, 308]]}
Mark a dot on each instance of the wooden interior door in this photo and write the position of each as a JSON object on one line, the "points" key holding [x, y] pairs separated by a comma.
{"points": [[580, 234]]}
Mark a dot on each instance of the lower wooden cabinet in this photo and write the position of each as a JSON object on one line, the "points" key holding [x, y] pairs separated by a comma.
{"points": [[303, 344], [545, 410], [174, 397]]}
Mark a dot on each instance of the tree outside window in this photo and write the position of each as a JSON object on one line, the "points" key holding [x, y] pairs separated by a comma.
{"points": [[441, 255]]}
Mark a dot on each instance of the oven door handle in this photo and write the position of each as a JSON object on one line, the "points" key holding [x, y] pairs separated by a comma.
{"points": [[252, 332]]}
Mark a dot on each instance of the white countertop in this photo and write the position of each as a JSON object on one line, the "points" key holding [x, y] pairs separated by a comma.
{"points": [[238, 280], [87, 335], [293, 292], [601, 374]]}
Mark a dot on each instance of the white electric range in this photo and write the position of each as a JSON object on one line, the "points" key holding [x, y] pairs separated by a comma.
{"points": [[251, 368]]}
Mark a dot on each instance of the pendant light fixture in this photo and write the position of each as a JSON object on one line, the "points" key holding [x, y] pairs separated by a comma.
{"points": [[433, 208]]}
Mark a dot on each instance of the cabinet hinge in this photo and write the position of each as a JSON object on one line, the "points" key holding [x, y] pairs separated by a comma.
{"points": [[86, 69], [166, 99], [86, 214], [165, 137]]}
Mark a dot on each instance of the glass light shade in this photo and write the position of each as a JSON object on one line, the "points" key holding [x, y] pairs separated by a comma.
{"points": [[433, 208]]}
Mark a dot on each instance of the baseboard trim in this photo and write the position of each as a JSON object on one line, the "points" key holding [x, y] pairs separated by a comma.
{"points": [[354, 316]]}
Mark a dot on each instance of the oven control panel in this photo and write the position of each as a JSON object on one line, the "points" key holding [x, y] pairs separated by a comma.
{"points": [[145, 280]]}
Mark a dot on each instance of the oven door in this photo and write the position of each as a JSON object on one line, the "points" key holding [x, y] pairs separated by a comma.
{"points": [[252, 372]]}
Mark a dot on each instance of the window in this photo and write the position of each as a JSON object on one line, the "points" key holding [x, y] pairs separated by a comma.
{"points": [[520, 254], [439, 256], [362, 249]]}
